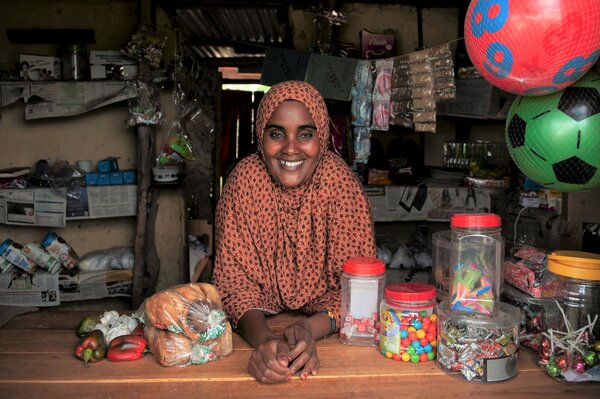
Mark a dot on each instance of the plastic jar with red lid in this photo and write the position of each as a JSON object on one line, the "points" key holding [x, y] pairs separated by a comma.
{"points": [[408, 322], [362, 281], [477, 256]]}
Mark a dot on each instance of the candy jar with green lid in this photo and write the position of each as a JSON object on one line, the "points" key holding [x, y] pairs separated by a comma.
{"points": [[477, 256], [570, 344]]}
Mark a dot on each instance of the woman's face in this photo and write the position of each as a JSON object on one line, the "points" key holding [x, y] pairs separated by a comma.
{"points": [[291, 144]]}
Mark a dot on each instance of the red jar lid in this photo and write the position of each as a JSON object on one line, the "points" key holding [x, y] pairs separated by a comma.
{"points": [[475, 220], [364, 265], [410, 292]]}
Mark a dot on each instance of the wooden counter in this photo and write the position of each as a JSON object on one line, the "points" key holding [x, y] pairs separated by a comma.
{"points": [[36, 361]]}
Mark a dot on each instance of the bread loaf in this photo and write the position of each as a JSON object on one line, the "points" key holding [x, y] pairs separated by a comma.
{"points": [[173, 349], [169, 348], [185, 308]]}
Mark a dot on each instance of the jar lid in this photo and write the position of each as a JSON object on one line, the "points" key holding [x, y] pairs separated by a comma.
{"points": [[575, 264], [410, 291], [475, 220], [515, 294], [364, 265]]}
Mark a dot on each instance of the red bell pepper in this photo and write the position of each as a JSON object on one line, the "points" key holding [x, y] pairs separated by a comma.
{"points": [[126, 347], [91, 348], [138, 330]]}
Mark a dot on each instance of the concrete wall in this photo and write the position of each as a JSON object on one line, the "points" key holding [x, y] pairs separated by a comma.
{"points": [[440, 25], [94, 135]]}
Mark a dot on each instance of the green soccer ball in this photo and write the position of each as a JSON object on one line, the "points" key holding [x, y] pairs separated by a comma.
{"points": [[555, 139]]}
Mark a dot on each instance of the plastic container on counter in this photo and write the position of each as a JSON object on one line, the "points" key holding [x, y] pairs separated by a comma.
{"points": [[441, 265], [362, 280], [408, 322], [531, 315], [477, 256], [478, 347], [570, 343]]}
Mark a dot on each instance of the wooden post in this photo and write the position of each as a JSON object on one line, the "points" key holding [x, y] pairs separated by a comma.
{"points": [[146, 151]]}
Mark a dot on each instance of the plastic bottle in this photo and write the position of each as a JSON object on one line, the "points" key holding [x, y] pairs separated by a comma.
{"points": [[74, 62]]}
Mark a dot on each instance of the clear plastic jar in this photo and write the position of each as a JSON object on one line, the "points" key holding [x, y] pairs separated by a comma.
{"points": [[477, 256], [441, 263], [531, 315], [478, 347], [570, 346], [408, 322], [362, 280]]}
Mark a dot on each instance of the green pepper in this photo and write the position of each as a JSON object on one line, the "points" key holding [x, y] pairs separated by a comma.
{"points": [[91, 348], [85, 326]]}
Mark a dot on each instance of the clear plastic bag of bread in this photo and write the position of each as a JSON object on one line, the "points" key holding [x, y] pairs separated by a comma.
{"points": [[176, 350], [189, 320]]}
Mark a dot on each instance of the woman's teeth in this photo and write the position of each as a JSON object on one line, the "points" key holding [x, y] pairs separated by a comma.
{"points": [[290, 164]]}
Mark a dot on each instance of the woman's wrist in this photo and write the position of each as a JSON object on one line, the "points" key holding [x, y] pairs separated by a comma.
{"points": [[321, 324]]}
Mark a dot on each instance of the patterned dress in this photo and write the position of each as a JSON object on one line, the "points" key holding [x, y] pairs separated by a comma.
{"points": [[281, 248]]}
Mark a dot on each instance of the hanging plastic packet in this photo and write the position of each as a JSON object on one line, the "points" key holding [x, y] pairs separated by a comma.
{"points": [[362, 94], [381, 95], [362, 144], [400, 97], [146, 45], [144, 108], [177, 146]]}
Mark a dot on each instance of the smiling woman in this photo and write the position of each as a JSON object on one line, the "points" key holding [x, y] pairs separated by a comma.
{"points": [[291, 145], [289, 216]]}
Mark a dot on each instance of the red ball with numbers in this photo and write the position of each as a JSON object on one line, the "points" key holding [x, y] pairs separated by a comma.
{"points": [[533, 47]]}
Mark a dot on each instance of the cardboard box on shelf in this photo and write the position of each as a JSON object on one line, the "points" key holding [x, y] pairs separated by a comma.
{"points": [[377, 45], [113, 72], [110, 57]]}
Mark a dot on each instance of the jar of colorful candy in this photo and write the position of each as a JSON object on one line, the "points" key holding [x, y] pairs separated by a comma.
{"points": [[531, 315], [408, 322], [570, 344], [363, 280], [477, 255], [479, 347]]}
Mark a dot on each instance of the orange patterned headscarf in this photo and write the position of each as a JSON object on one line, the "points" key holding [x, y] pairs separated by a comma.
{"points": [[297, 91], [280, 248]]}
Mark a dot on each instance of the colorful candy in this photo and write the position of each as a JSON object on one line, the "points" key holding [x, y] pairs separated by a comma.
{"points": [[408, 336]]}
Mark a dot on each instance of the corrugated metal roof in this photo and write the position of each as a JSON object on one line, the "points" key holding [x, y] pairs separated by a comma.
{"points": [[231, 32]]}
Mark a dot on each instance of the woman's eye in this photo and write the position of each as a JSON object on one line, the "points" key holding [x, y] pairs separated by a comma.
{"points": [[306, 134], [275, 134]]}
